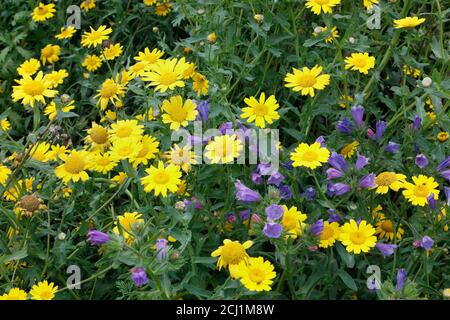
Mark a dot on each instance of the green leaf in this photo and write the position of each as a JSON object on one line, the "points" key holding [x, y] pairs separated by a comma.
{"points": [[347, 279]]}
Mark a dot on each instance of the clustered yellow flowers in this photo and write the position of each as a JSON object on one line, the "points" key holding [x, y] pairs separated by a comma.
{"points": [[41, 291]]}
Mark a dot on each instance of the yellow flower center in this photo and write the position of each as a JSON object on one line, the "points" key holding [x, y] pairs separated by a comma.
{"points": [[310, 156], [161, 177], [307, 80], [387, 226], [123, 132], [421, 191], [357, 237], [45, 294], [233, 253], [178, 115], [108, 90], [256, 275], [385, 179], [103, 161], [34, 88], [99, 135], [74, 164], [168, 78], [327, 233], [48, 51], [321, 2], [42, 10], [289, 222], [260, 110], [359, 62]]}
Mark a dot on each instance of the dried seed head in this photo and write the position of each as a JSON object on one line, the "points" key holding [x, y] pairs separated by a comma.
{"points": [[29, 203]]}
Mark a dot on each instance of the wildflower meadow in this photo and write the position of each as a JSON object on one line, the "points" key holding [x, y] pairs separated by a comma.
{"points": [[223, 149]]}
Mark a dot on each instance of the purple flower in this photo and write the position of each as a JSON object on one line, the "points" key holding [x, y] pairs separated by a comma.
{"points": [[338, 162], [358, 114], [401, 279], [367, 181], [161, 248], [310, 193], [256, 178], [97, 237], [226, 126], [333, 173], [380, 127], [332, 216], [447, 195], [338, 189], [245, 194], [196, 203], [264, 169], [285, 192], [275, 178], [421, 161], [391, 147], [426, 243], [230, 217], [272, 230], [322, 142], [416, 123], [446, 174], [274, 212], [244, 215], [344, 126], [431, 201], [203, 111], [385, 248], [370, 134], [443, 165], [361, 162], [317, 228], [288, 165], [139, 276]]}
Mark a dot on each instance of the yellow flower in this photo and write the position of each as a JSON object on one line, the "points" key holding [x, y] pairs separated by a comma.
{"points": [[125, 149], [200, 84], [411, 71], [39, 151], [14, 294], [113, 51], [212, 38], [349, 150], [43, 291], [408, 22], [388, 180], [161, 179], [231, 253], [150, 2], [87, 5], [163, 8], [149, 57], [330, 234], [92, 62], [98, 137], [110, 91], [126, 224], [51, 110], [57, 77], [119, 178], [95, 37], [256, 274], [66, 33], [43, 12], [109, 116], [165, 74], [261, 111], [29, 67], [178, 114], [223, 149], [144, 117], [442, 215], [150, 148], [50, 53], [358, 238], [417, 192], [361, 62], [293, 221], [55, 152], [309, 156], [344, 101], [5, 125], [74, 167], [126, 129], [318, 6], [442, 136], [182, 157], [30, 90], [306, 80], [13, 193], [369, 3], [334, 33], [102, 163], [4, 174], [138, 69], [385, 229]]}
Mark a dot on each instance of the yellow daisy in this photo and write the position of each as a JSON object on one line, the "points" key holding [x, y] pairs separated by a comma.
{"points": [[408, 22], [4, 174], [87, 5], [223, 149], [163, 8], [330, 234], [165, 75], [231, 253], [92, 62], [348, 150], [66, 33], [261, 111], [385, 228], [56, 151], [39, 151], [162, 179], [30, 90], [149, 57], [257, 274], [361, 62], [306, 80], [50, 54], [94, 37], [43, 12], [103, 163], [29, 67], [317, 6], [334, 33], [110, 91], [14, 294], [43, 291], [126, 129], [5, 125], [125, 149], [388, 180], [358, 238], [293, 221], [149, 150], [119, 178], [417, 192], [112, 52], [369, 3], [51, 110], [57, 77], [126, 224], [200, 84], [442, 136], [74, 167], [178, 114], [98, 137], [183, 157], [309, 156]]}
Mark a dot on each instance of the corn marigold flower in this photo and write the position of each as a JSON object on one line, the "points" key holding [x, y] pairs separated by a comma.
{"points": [[126, 129], [149, 150], [29, 67], [418, 191], [165, 74], [231, 253], [163, 8], [261, 111], [50, 54], [385, 228], [92, 62], [333, 33], [4, 174], [388, 180], [178, 114], [93, 38], [97, 137], [126, 224], [57, 77], [39, 151], [309, 156], [31, 90], [293, 222], [349, 150], [317, 6], [14, 294], [212, 38], [55, 152], [110, 91], [149, 57], [43, 12], [306, 80], [200, 84], [257, 274], [329, 235], [74, 167], [161, 179], [119, 178], [183, 157], [125, 149], [223, 149], [87, 5], [66, 33], [43, 291], [442, 136], [361, 62], [102, 163], [358, 238], [5, 125], [369, 3], [112, 51], [408, 22]]}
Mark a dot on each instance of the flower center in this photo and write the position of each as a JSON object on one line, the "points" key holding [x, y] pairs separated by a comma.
{"points": [[123, 132], [256, 275], [307, 80], [99, 135], [387, 226], [322, 2], [421, 191], [108, 90], [327, 233], [168, 78], [359, 62], [385, 179], [260, 110], [48, 52], [29, 203], [34, 88], [75, 164], [178, 115], [357, 237], [42, 10], [289, 222], [161, 178], [310, 156], [233, 253]]}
